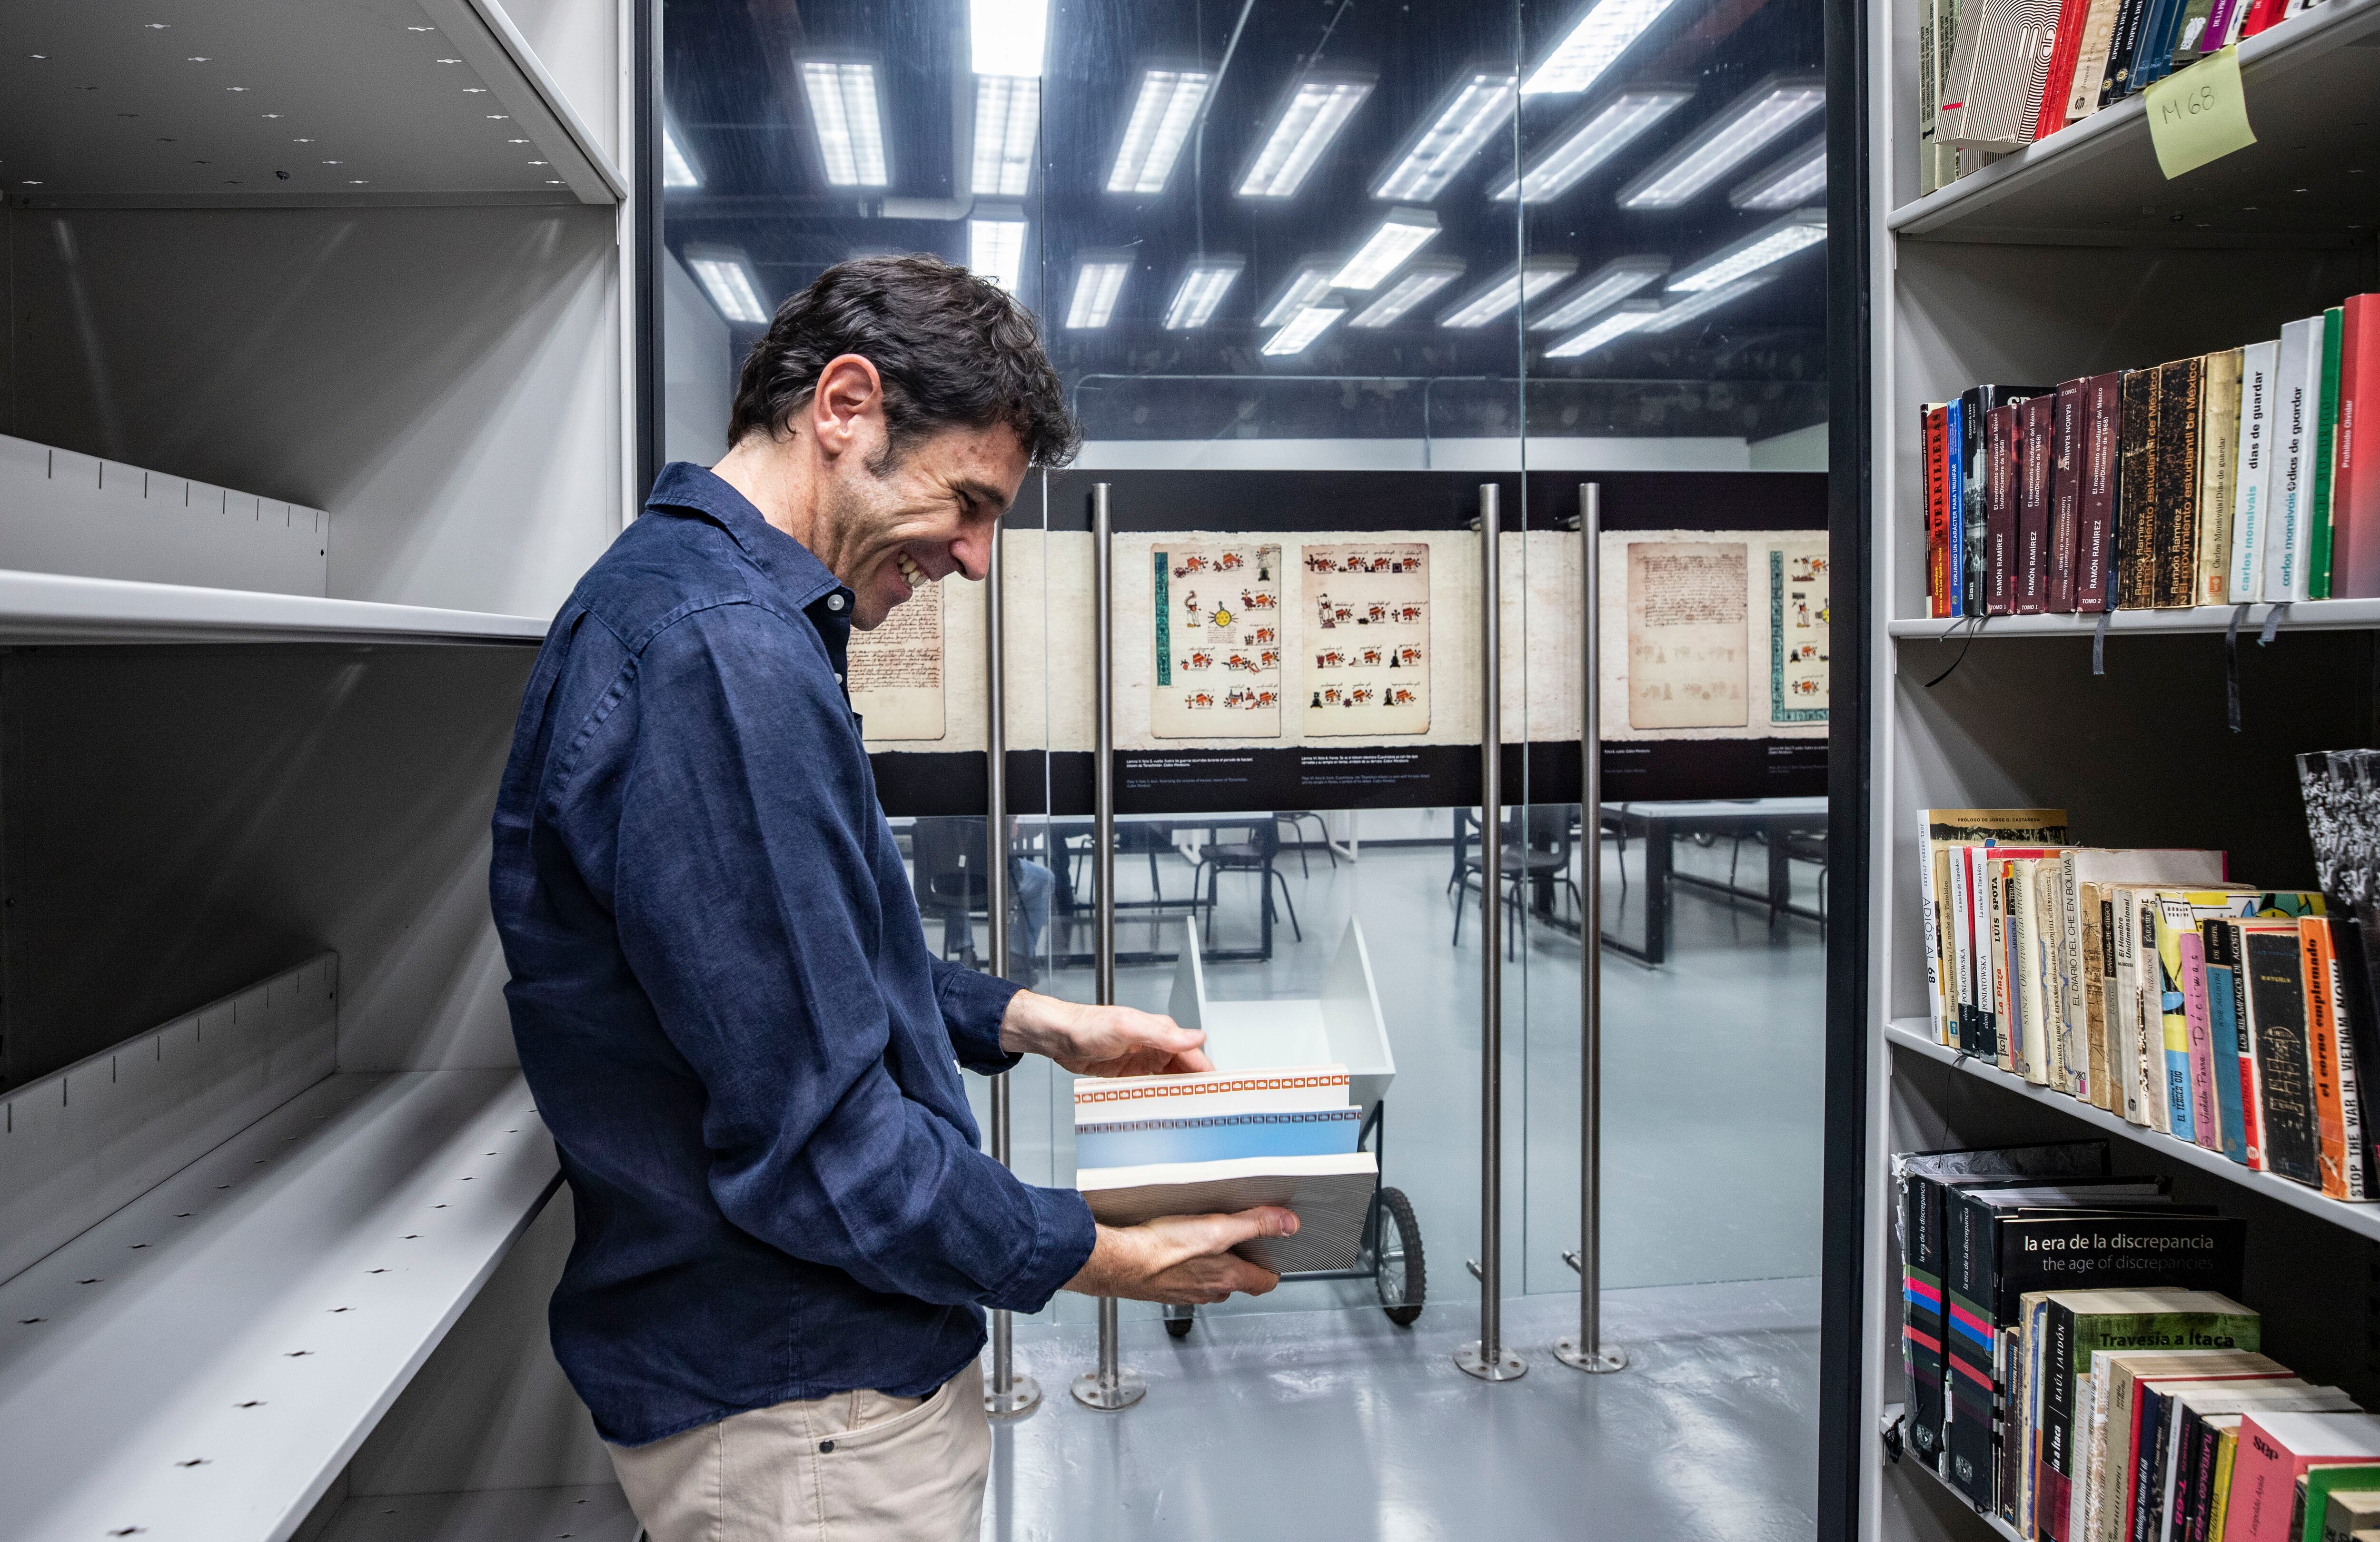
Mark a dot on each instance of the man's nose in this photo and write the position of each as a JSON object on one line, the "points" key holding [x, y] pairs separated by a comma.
{"points": [[972, 552]]}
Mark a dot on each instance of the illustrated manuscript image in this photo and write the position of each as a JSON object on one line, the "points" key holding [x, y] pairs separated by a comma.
{"points": [[1366, 621], [1715, 634], [1217, 625], [1798, 617], [1686, 634], [896, 671]]}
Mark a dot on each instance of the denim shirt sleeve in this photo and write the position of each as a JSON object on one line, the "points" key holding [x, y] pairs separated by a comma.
{"points": [[736, 855], [973, 1004]]}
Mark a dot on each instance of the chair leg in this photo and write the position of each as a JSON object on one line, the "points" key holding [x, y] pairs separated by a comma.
{"points": [[1458, 898], [1270, 876]]}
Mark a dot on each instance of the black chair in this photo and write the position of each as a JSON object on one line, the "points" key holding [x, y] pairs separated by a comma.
{"points": [[1291, 818], [1254, 855], [949, 864], [1810, 845], [1537, 852]]}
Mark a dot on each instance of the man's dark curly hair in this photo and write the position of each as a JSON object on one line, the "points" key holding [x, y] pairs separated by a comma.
{"points": [[953, 351]]}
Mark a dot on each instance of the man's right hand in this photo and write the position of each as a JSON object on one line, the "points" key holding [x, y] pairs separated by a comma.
{"points": [[1183, 1259]]}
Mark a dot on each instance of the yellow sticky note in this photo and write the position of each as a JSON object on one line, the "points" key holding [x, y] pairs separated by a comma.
{"points": [[2199, 114]]}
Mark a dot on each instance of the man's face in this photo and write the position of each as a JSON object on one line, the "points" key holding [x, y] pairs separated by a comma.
{"points": [[932, 513]]}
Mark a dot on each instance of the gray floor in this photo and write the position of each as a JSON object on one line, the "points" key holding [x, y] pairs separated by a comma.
{"points": [[1316, 1426]]}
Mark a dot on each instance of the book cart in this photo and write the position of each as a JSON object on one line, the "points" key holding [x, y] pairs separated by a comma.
{"points": [[2073, 257], [316, 405]]}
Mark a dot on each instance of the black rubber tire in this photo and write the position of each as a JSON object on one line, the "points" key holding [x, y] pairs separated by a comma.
{"points": [[1179, 1326], [1403, 1280]]}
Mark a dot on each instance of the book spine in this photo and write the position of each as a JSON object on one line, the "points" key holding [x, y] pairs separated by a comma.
{"points": [[2097, 963], [2065, 493], [2054, 1476], [2136, 519], [2338, 1114], [2251, 1090], [2261, 15], [2355, 476], [2147, 1002], [1929, 87], [1954, 467], [2123, 1067], [2284, 1069], [2031, 447], [2219, 446], [1936, 511], [1970, 1344], [1936, 999], [2325, 447], [2204, 1125], [1922, 1317], [2227, 1447], [2057, 79], [2180, 1062], [2217, 943], [2000, 511], [2091, 64], [2148, 1439], [2254, 461], [2297, 392], [2095, 540], [2123, 40], [2359, 1025], [2181, 385]]}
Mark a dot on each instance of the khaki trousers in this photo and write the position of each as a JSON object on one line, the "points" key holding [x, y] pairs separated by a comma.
{"points": [[854, 1467]]}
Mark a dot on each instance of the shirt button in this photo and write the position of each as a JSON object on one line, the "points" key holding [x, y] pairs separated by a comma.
{"points": [[838, 679], [835, 601], [825, 1446]]}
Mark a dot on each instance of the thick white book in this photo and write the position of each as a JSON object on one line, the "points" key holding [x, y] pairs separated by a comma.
{"points": [[2258, 362], [1331, 1195], [1272, 1089], [2297, 395]]}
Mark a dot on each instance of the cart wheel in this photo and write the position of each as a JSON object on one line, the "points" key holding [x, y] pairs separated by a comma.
{"points": [[1178, 1320], [1403, 1280]]}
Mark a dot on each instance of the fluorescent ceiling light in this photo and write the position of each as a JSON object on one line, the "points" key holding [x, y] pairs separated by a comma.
{"points": [[1204, 284], [1404, 232], [725, 274], [1008, 36], [1702, 301], [1098, 284], [1422, 280], [1161, 117], [842, 97], [1751, 123], [677, 168], [1603, 289], [1629, 316], [1007, 120], [1317, 107], [1532, 278], [1302, 328], [996, 250], [1474, 109], [1592, 47], [1307, 283], [1796, 179], [1770, 243], [1592, 138]]}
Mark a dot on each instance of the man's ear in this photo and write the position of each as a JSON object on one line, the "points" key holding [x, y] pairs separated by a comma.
{"points": [[849, 395]]}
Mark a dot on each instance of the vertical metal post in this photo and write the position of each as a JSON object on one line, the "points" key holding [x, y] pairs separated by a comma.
{"points": [[1488, 1358], [1111, 1386], [1006, 1395], [1586, 1350]]}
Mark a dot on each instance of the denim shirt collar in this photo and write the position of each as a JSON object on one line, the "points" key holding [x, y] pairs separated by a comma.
{"points": [[685, 487]]}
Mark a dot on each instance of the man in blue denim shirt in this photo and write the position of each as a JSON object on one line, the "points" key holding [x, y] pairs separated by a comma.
{"points": [[721, 990]]}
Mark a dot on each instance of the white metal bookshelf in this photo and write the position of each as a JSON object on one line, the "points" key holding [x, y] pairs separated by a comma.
{"points": [[356, 373], [2071, 258]]}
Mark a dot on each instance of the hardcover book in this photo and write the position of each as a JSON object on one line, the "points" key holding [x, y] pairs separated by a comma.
{"points": [[2325, 438], [2066, 494], [2252, 484], [2276, 1036], [2297, 399], [2275, 1450], [2218, 440], [2094, 541], [2036, 426], [2355, 474], [2137, 483], [2175, 478]]}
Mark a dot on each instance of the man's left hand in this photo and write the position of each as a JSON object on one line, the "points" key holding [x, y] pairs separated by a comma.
{"points": [[1102, 1041]]}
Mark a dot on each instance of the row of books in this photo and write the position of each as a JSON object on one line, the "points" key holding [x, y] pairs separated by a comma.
{"points": [[2236, 1018], [2223, 479], [1993, 76], [2078, 1362]]}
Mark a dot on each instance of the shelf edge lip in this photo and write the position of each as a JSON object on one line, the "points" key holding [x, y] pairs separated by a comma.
{"points": [[1916, 1033], [2309, 33], [2299, 615], [67, 608]]}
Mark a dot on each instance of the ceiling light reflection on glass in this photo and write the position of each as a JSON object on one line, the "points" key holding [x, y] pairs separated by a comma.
{"points": [[842, 98], [1404, 232], [1479, 105], [1301, 329], [725, 274], [1629, 316], [996, 249], [1007, 120], [1309, 281], [1317, 107], [1098, 284], [1750, 125], [1770, 243], [1679, 313], [1797, 179], [1603, 289], [1591, 139], [1161, 117], [1204, 284], [677, 169], [1592, 47], [1425, 278], [1008, 36], [1533, 278]]}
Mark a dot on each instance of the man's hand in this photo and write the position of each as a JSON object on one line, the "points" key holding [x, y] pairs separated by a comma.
{"points": [[1183, 1259], [1100, 1041]]}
